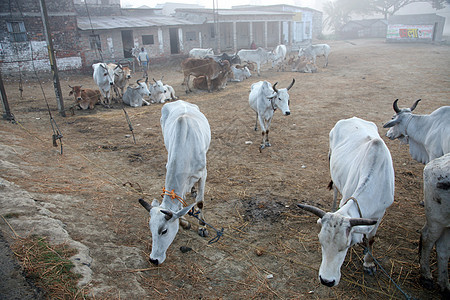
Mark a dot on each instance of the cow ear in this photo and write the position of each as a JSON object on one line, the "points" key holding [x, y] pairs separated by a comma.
{"points": [[184, 211], [391, 123]]}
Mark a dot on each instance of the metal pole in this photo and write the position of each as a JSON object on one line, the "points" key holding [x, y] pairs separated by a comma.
{"points": [[52, 58], [6, 111]]}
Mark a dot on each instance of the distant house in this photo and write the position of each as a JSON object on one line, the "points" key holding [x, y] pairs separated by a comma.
{"points": [[372, 28], [424, 28]]}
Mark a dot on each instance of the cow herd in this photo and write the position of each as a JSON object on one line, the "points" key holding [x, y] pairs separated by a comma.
{"points": [[361, 170], [360, 163]]}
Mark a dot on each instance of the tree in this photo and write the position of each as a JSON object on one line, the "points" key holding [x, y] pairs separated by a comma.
{"points": [[337, 14], [390, 7]]}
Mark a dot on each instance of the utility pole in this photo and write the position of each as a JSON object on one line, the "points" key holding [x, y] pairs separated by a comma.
{"points": [[52, 58], [7, 115]]}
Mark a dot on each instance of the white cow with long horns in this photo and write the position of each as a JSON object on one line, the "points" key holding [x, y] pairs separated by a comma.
{"points": [[187, 136], [361, 169], [265, 99], [428, 135]]}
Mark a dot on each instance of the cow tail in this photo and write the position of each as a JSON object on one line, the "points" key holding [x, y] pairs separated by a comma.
{"points": [[330, 185]]}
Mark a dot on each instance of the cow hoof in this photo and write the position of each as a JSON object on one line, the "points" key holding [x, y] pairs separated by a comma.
{"points": [[203, 232], [426, 283], [370, 270], [268, 145]]}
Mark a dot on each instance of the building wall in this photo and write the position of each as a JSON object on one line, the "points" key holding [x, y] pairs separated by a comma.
{"points": [[17, 56], [413, 23]]}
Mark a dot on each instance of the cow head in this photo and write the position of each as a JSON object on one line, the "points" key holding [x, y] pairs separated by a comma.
{"points": [[158, 86], [122, 72], [164, 225], [142, 87], [397, 126], [335, 237], [281, 99], [76, 92]]}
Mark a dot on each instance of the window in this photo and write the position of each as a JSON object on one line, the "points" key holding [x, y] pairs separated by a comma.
{"points": [[148, 39], [191, 36], [17, 31], [94, 41]]}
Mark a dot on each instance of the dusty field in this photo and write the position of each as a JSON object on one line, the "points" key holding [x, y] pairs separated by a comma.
{"points": [[93, 188]]}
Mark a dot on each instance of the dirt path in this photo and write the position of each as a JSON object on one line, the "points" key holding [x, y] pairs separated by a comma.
{"points": [[91, 191]]}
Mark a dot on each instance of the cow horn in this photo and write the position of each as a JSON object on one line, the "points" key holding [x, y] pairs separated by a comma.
{"points": [[70, 86], [292, 83], [274, 87], [168, 214], [162, 77], [146, 79], [397, 110], [317, 211], [155, 80], [118, 66], [415, 104], [137, 81], [362, 221], [145, 204]]}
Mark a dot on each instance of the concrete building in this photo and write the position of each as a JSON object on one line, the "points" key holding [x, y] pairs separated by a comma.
{"points": [[364, 29], [423, 28]]}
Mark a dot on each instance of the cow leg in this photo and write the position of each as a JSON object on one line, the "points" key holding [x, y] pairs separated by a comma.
{"points": [[443, 252], [427, 240], [263, 133], [208, 83], [258, 66], [186, 82], [326, 61], [200, 194], [335, 193], [369, 264], [267, 133], [256, 123]]}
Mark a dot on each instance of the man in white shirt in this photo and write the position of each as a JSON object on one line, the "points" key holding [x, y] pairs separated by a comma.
{"points": [[144, 60]]}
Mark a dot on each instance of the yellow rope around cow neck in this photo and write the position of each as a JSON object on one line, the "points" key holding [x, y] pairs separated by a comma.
{"points": [[173, 195]]}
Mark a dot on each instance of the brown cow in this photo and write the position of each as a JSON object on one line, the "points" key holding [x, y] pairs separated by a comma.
{"points": [[121, 76], [85, 98], [217, 83], [207, 67]]}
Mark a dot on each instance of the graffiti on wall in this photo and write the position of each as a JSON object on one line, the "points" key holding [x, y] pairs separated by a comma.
{"points": [[399, 31]]}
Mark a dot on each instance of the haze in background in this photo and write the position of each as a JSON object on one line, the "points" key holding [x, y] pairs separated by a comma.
{"points": [[413, 8]]}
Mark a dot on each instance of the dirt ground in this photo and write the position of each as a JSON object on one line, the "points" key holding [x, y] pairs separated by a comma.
{"points": [[270, 247]]}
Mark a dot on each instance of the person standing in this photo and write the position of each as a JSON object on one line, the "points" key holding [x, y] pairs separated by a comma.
{"points": [[144, 60]]}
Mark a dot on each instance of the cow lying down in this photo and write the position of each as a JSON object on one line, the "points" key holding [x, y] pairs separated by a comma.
{"points": [[133, 96], [85, 98]]}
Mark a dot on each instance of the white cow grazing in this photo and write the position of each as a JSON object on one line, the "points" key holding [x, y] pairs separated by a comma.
{"points": [[361, 169], [258, 56], [278, 55], [186, 136], [428, 135], [160, 92], [133, 96], [104, 78], [264, 100], [436, 190], [312, 51], [239, 74], [201, 53]]}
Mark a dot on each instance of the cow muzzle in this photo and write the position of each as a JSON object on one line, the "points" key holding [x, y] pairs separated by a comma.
{"points": [[154, 261], [287, 113], [326, 282], [111, 83]]}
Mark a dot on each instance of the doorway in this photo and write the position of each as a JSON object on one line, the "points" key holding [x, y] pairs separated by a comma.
{"points": [[127, 42], [174, 47]]}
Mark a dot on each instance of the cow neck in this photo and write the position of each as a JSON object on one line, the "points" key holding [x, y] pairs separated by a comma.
{"points": [[173, 196], [407, 124], [272, 102]]}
